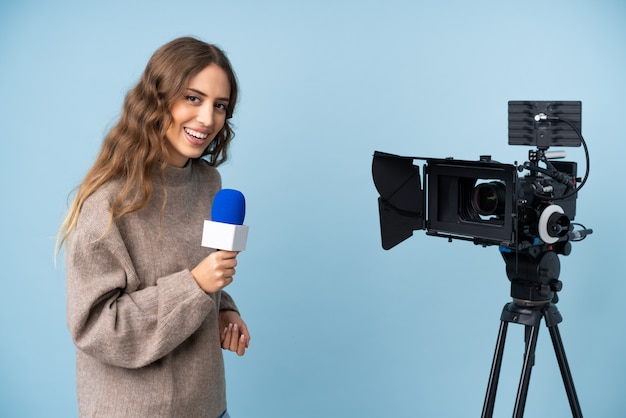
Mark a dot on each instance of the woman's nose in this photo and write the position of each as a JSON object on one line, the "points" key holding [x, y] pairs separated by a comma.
{"points": [[205, 115]]}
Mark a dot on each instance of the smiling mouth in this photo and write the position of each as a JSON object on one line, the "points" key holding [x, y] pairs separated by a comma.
{"points": [[196, 135]]}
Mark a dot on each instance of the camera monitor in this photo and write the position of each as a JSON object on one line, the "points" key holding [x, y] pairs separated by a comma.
{"points": [[545, 124]]}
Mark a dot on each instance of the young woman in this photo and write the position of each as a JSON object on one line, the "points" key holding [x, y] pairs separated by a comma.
{"points": [[145, 301]]}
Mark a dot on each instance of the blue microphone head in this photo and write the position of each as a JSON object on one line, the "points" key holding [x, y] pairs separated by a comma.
{"points": [[229, 207]]}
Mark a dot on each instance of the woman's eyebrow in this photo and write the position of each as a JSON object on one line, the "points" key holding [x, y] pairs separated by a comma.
{"points": [[200, 93]]}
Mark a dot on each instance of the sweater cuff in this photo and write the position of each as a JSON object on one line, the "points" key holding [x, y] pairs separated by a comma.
{"points": [[227, 303]]}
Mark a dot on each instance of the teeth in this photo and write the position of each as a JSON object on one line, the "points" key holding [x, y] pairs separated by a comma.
{"points": [[196, 134]]}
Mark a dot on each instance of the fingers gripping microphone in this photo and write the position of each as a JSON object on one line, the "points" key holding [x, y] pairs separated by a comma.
{"points": [[225, 230]]}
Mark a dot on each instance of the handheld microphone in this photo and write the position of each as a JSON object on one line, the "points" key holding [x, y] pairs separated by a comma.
{"points": [[225, 230]]}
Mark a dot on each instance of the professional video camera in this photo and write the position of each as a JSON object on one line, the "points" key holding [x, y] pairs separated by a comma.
{"points": [[485, 201], [529, 217], [489, 203]]}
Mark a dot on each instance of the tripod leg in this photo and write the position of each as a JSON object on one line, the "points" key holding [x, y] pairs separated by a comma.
{"points": [[492, 386], [568, 381], [532, 334]]}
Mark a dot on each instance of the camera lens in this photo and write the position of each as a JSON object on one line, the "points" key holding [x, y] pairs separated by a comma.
{"points": [[488, 198]]}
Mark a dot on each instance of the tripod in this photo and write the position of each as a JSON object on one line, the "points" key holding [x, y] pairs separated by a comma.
{"points": [[533, 286]]}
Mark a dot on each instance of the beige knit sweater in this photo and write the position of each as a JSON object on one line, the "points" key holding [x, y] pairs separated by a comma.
{"points": [[147, 336]]}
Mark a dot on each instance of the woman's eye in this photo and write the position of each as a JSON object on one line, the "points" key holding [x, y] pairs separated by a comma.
{"points": [[221, 106], [192, 99]]}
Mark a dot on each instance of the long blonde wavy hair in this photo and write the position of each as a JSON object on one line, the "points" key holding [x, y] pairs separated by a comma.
{"points": [[135, 147]]}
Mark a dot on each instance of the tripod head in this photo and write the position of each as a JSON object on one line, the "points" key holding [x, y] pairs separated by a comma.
{"points": [[534, 276], [534, 273]]}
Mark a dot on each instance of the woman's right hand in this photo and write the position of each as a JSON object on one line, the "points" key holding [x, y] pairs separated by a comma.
{"points": [[216, 271]]}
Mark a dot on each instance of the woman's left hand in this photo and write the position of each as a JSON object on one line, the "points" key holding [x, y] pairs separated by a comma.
{"points": [[235, 336]]}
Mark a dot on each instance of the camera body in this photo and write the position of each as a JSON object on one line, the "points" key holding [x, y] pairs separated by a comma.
{"points": [[485, 201], [482, 201], [491, 204]]}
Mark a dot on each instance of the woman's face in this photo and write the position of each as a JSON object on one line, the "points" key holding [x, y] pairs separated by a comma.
{"points": [[198, 116]]}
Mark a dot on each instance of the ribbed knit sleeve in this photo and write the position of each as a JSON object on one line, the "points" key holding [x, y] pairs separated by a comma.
{"points": [[111, 316]]}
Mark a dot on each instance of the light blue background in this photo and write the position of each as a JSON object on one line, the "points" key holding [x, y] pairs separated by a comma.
{"points": [[340, 328]]}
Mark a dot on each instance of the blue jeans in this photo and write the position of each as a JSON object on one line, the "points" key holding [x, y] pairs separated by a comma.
{"points": [[224, 415]]}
